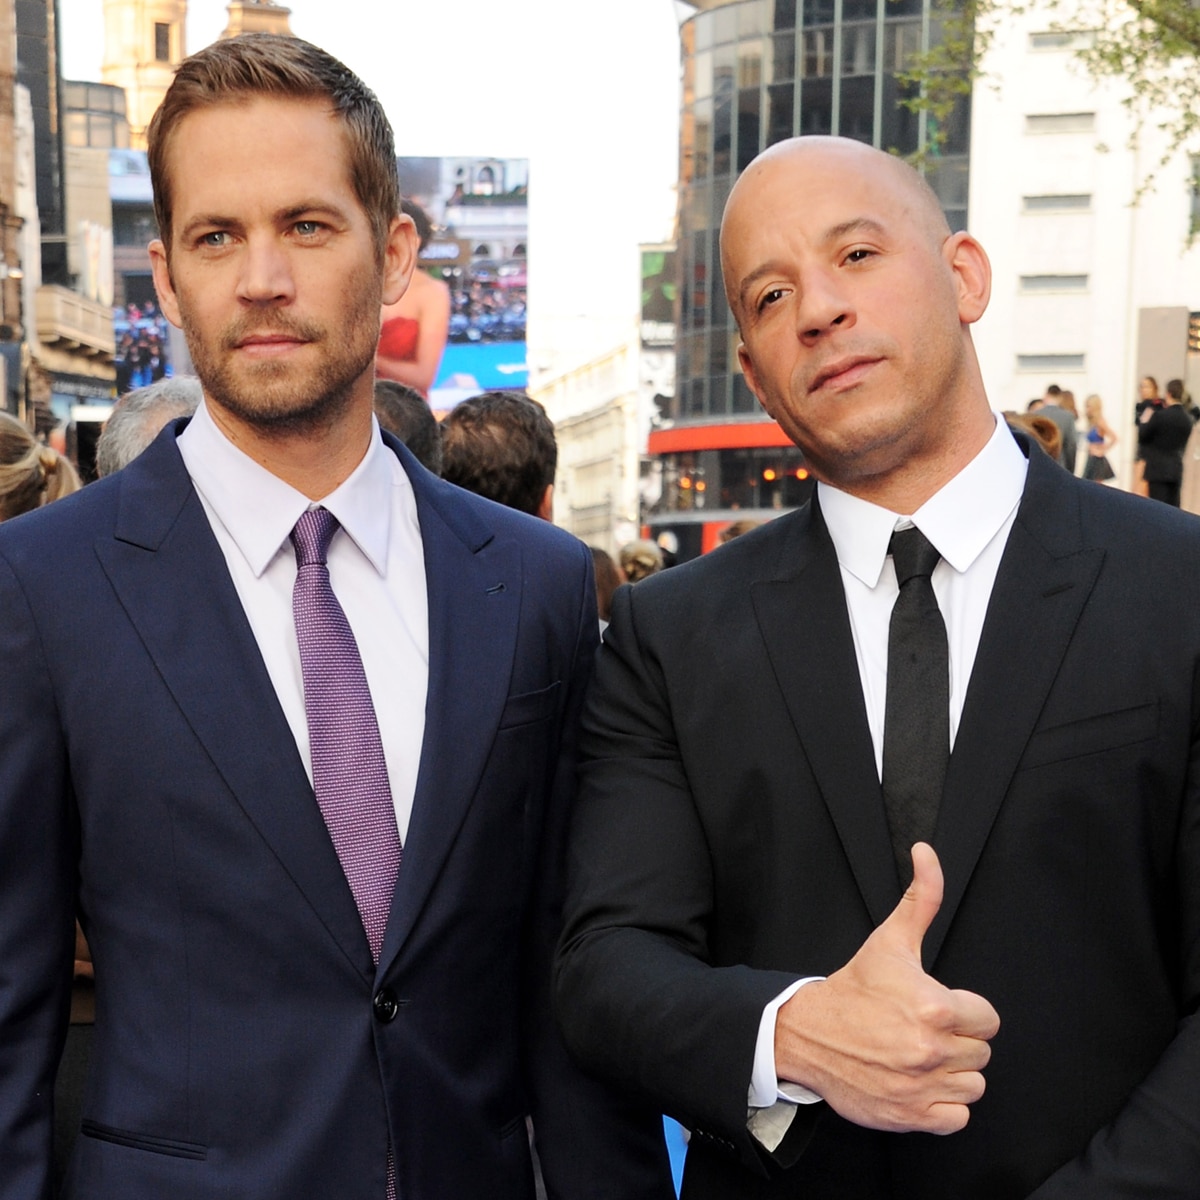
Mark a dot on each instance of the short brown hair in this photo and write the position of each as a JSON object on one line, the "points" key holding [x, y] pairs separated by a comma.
{"points": [[266, 64], [500, 445]]}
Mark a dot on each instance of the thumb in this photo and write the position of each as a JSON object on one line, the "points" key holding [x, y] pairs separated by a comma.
{"points": [[911, 918]]}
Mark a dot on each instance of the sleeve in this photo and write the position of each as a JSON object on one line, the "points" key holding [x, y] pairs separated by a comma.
{"points": [[638, 997], [37, 916], [1152, 1145], [593, 1141]]}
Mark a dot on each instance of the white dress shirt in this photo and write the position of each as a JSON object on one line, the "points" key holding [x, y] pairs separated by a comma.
{"points": [[376, 567], [968, 521]]}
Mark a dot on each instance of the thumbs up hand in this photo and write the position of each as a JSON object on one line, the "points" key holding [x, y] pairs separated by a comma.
{"points": [[882, 1042]]}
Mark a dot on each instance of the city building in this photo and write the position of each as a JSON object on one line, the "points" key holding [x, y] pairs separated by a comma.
{"points": [[68, 325], [11, 271], [144, 41], [1090, 290], [595, 408], [257, 16]]}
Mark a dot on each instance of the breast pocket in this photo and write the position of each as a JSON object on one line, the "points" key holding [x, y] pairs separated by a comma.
{"points": [[530, 707], [1092, 735]]}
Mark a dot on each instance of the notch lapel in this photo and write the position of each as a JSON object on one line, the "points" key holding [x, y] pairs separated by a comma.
{"points": [[1045, 578], [474, 586], [805, 627], [169, 573]]}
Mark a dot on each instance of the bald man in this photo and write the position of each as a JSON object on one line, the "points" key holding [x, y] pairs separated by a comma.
{"points": [[743, 942]]}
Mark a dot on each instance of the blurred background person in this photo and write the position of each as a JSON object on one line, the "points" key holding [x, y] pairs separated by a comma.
{"points": [[406, 414], [31, 474], [1148, 403], [1054, 408], [1100, 440], [139, 416], [736, 529], [1042, 429], [1066, 401], [1162, 439], [501, 445], [415, 328], [608, 579], [640, 559]]}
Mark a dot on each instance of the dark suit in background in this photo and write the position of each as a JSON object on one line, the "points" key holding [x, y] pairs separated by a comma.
{"points": [[757, 851], [1162, 441]]}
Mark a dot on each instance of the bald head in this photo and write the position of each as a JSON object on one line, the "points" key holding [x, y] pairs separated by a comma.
{"points": [[825, 163], [854, 302]]}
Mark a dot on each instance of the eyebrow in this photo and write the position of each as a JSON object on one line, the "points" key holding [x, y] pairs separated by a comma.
{"points": [[834, 233]]}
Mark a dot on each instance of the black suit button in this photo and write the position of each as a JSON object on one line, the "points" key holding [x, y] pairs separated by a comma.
{"points": [[386, 1005]]}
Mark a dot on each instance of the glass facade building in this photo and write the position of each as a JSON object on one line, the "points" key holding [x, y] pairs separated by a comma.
{"points": [[756, 72]]}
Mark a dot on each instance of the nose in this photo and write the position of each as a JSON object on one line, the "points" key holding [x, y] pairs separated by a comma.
{"points": [[266, 272], [824, 305]]}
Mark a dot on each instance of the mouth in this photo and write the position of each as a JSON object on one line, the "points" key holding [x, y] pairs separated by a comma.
{"points": [[266, 345], [844, 373]]}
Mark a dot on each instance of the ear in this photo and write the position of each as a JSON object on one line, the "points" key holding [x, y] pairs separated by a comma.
{"points": [[167, 300], [546, 508], [399, 258], [972, 275], [747, 365]]}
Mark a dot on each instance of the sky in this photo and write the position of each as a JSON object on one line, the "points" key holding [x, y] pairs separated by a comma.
{"points": [[589, 93]]}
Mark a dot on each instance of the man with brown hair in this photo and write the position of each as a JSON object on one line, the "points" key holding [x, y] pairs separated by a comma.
{"points": [[304, 750], [501, 445]]}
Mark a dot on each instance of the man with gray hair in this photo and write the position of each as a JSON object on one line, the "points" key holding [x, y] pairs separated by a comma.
{"points": [[139, 416]]}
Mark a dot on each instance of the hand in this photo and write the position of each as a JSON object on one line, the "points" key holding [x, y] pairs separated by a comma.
{"points": [[882, 1042]]}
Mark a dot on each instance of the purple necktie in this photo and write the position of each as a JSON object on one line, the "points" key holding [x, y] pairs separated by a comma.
{"points": [[349, 771]]}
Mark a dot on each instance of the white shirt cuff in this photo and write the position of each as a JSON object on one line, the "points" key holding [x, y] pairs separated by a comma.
{"points": [[765, 1086], [773, 1102]]}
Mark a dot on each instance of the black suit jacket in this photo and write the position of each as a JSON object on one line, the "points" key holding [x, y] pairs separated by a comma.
{"points": [[1162, 441], [731, 837], [246, 1045]]}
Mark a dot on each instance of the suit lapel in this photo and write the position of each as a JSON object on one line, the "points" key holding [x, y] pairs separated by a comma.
{"points": [[806, 629], [474, 586], [1044, 580], [170, 575]]}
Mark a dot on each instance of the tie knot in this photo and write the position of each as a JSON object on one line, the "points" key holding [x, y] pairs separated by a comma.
{"points": [[312, 535], [913, 554]]}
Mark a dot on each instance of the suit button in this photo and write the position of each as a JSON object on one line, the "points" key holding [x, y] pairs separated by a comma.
{"points": [[386, 1005]]}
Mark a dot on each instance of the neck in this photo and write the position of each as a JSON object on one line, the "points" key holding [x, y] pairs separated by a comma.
{"points": [[923, 474], [314, 460]]}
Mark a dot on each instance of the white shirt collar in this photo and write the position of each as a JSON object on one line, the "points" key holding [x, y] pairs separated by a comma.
{"points": [[960, 519], [259, 510]]}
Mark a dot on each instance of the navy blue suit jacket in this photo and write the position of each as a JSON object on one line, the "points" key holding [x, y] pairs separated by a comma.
{"points": [[242, 1045]]}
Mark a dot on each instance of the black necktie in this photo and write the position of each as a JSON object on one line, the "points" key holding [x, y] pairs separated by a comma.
{"points": [[916, 728]]}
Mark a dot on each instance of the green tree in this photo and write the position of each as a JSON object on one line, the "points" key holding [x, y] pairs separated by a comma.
{"points": [[1152, 45]]}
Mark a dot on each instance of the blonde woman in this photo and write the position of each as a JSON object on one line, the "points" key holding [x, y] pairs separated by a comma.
{"points": [[1100, 439], [31, 474]]}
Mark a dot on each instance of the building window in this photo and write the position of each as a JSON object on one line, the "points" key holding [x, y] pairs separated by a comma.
{"points": [[1060, 122], [162, 42], [1194, 333], [1050, 362], [1079, 202], [1054, 283], [1060, 39]]}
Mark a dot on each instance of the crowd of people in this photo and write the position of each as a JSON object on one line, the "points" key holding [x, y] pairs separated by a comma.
{"points": [[405, 853], [142, 355]]}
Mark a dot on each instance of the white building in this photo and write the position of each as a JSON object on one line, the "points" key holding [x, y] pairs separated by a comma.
{"points": [[1089, 290]]}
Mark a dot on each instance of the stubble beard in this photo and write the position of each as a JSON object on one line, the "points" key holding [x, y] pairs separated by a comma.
{"points": [[275, 398]]}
